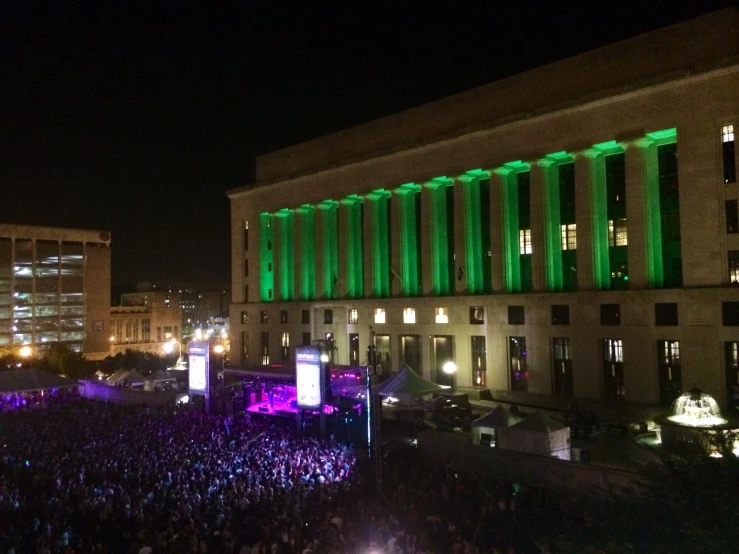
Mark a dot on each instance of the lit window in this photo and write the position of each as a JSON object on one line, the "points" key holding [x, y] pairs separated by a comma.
{"points": [[727, 133], [524, 237], [409, 315], [617, 235], [285, 340], [380, 315], [353, 316], [442, 315], [569, 236]]}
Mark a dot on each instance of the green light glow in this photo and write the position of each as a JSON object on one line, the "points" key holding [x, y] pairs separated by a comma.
{"points": [[473, 232], [354, 246], [379, 203], [665, 136], [329, 214], [599, 220], [266, 259], [652, 215], [307, 225], [440, 282], [609, 147], [285, 221], [552, 225], [410, 245], [511, 246]]}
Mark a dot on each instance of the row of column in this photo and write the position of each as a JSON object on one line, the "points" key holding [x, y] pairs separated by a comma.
{"points": [[456, 236]]}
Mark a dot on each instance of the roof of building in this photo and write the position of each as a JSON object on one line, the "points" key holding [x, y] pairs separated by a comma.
{"points": [[31, 379], [39, 232], [694, 46]]}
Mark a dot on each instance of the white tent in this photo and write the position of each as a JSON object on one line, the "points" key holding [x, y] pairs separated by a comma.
{"points": [[406, 384], [161, 376], [537, 434], [117, 377], [128, 377], [486, 427]]}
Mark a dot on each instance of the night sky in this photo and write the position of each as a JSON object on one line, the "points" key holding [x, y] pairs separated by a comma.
{"points": [[136, 117]]}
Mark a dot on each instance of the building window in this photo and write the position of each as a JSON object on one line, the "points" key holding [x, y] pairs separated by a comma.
{"points": [[734, 267], [524, 239], [670, 374], [562, 366], [328, 316], [246, 235], [97, 325], [306, 339], [477, 315], [354, 349], [610, 314], [146, 330], [732, 217], [614, 350], [731, 351], [283, 316], [285, 344], [730, 314], [519, 373], [379, 315], [353, 316], [244, 317], [727, 151], [479, 361], [264, 317], [265, 348], [516, 315], [569, 236], [617, 235], [560, 314], [409, 315], [305, 317], [665, 313], [441, 315]]}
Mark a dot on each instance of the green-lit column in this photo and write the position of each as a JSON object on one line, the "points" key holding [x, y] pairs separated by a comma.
{"points": [[552, 225], [511, 228], [266, 259], [473, 230], [353, 206], [599, 220], [379, 204], [330, 244], [440, 270], [286, 268], [307, 232], [411, 262]]}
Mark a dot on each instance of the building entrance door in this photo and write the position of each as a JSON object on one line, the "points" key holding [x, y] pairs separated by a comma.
{"points": [[410, 352], [442, 351]]}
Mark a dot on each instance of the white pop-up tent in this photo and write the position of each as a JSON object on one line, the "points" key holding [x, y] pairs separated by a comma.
{"points": [[127, 377], [407, 385], [537, 434], [485, 429], [157, 378]]}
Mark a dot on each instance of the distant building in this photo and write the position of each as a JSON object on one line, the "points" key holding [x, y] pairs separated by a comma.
{"points": [[571, 231], [199, 303], [54, 288], [144, 328]]}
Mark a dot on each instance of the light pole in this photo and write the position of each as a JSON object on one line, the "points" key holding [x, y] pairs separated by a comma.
{"points": [[168, 348], [25, 351], [373, 401], [450, 368]]}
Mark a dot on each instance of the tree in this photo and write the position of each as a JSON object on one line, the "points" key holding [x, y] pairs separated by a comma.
{"points": [[58, 358]]}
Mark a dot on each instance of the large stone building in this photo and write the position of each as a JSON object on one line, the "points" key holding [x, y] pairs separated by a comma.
{"points": [[54, 288], [144, 328], [572, 230]]}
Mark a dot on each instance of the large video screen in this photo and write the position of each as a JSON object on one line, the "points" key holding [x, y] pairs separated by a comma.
{"points": [[308, 377], [199, 362]]}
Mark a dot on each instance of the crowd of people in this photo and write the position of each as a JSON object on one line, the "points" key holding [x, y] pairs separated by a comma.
{"points": [[89, 478]]}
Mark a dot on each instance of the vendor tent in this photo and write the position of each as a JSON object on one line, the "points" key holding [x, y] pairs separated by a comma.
{"points": [[406, 384], [537, 434], [485, 429], [127, 377], [158, 377], [30, 380], [117, 377]]}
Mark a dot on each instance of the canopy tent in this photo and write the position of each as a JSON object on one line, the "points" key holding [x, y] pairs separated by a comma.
{"points": [[160, 376], [30, 380], [129, 377], [406, 384], [537, 434], [487, 426]]}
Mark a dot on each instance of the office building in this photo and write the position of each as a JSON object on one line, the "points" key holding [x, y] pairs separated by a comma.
{"points": [[568, 231], [144, 328], [54, 288]]}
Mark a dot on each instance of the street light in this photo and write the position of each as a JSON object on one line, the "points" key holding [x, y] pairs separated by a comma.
{"points": [[450, 368], [26, 351], [324, 358]]}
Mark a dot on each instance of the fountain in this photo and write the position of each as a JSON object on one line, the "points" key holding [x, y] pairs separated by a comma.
{"points": [[694, 418]]}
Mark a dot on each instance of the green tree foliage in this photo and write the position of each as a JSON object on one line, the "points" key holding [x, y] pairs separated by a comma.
{"points": [[145, 362]]}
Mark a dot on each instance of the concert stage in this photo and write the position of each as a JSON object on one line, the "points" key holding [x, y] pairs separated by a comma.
{"points": [[280, 409]]}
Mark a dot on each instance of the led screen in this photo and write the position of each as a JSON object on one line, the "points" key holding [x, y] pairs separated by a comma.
{"points": [[308, 377], [198, 378]]}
